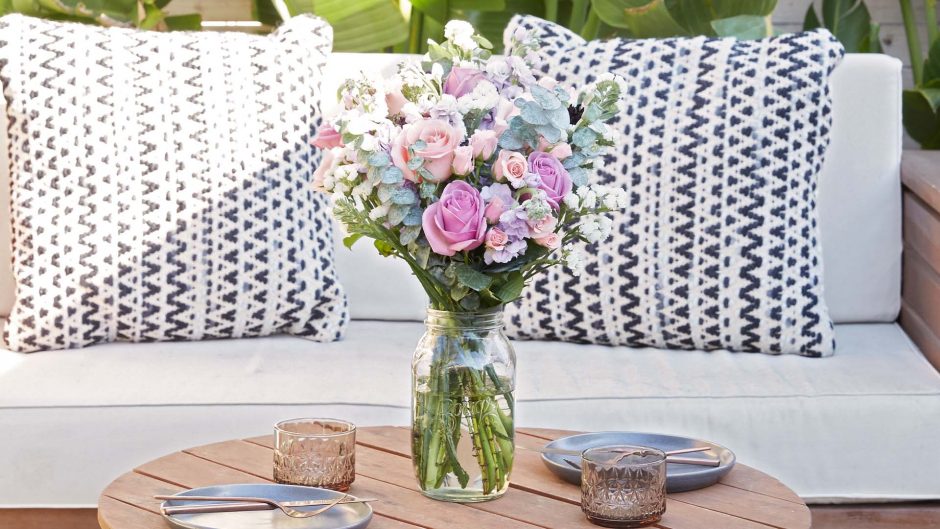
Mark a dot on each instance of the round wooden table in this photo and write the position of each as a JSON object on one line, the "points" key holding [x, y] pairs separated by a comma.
{"points": [[745, 498]]}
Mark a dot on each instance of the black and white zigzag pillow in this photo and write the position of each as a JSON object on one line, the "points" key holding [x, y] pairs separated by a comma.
{"points": [[161, 184], [720, 148]]}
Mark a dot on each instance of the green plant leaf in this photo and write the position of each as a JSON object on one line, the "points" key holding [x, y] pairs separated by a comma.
{"points": [[932, 63], [921, 119], [872, 44], [361, 25], [472, 278], [192, 22], [644, 18], [444, 10], [491, 24], [743, 27], [104, 12], [850, 22], [384, 248], [512, 288], [350, 240], [811, 20], [696, 16]]}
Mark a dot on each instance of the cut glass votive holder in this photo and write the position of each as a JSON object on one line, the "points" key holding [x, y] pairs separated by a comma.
{"points": [[315, 453], [623, 486]]}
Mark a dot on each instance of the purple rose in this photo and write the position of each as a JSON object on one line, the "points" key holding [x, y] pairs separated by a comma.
{"points": [[455, 223], [461, 81], [555, 180]]}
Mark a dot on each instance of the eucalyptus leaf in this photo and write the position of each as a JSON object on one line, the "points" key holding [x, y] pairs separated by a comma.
{"points": [[459, 292], [397, 214], [379, 159], [404, 196], [545, 97], [472, 278], [510, 140], [471, 301], [413, 218], [512, 288], [409, 234], [534, 114], [415, 163], [583, 137], [579, 176], [392, 175]]}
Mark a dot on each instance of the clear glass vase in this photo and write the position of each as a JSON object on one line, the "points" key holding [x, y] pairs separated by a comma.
{"points": [[463, 378]]}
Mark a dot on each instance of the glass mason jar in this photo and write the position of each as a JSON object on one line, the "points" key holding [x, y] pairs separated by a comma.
{"points": [[463, 378]]}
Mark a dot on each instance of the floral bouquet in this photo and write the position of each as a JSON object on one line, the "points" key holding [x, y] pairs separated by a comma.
{"points": [[476, 174]]}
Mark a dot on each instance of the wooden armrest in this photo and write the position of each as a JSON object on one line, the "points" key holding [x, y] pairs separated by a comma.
{"points": [[920, 303], [920, 174]]}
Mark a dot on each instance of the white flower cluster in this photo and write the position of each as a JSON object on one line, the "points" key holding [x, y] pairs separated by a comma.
{"points": [[590, 196], [595, 228], [574, 261], [461, 34], [483, 97]]}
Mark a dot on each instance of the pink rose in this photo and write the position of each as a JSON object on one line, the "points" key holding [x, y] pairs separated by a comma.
{"points": [[550, 241], [395, 100], [510, 165], [561, 151], [542, 227], [496, 239], [327, 138], [326, 166], [463, 160], [484, 143], [441, 140], [554, 178], [461, 81], [455, 222]]}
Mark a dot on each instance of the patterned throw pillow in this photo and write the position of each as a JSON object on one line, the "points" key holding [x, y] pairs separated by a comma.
{"points": [[161, 185], [720, 147]]}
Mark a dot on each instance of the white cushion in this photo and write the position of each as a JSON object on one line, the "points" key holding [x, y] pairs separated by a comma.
{"points": [[817, 424], [860, 191], [860, 208]]}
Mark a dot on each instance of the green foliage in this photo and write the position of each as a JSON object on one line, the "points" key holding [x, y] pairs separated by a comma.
{"points": [[144, 14], [360, 25], [851, 23], [922, 103], [668, 18]]}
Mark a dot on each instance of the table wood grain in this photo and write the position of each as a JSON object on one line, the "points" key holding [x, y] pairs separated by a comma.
{"points": [[744, 499]]}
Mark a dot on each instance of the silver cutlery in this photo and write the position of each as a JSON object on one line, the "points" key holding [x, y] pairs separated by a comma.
{"points": [[564, 452], [669, 459], [250, 503]]}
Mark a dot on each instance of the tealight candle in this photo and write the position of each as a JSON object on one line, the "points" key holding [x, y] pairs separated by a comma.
{"points": [[623, 486]]}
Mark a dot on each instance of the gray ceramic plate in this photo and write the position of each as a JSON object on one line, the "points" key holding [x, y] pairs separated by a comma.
{"points": [[346, 516], [679, 478]]}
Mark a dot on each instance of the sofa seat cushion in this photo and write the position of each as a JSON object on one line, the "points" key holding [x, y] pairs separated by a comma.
{"points": [[817, 424]]}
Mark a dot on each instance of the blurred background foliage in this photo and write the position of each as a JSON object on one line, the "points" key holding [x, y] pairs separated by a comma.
{"points": [[404, 26]]}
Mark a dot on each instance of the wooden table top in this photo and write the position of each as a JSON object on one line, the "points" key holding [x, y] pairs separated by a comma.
{"points": [[744, 499]]}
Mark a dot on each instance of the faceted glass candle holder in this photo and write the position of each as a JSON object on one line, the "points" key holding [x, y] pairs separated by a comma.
{"points": [[315, 453], [623, 486]]}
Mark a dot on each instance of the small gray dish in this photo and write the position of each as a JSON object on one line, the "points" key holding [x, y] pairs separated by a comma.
{"points": [[345, 516], [679, 478]]}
